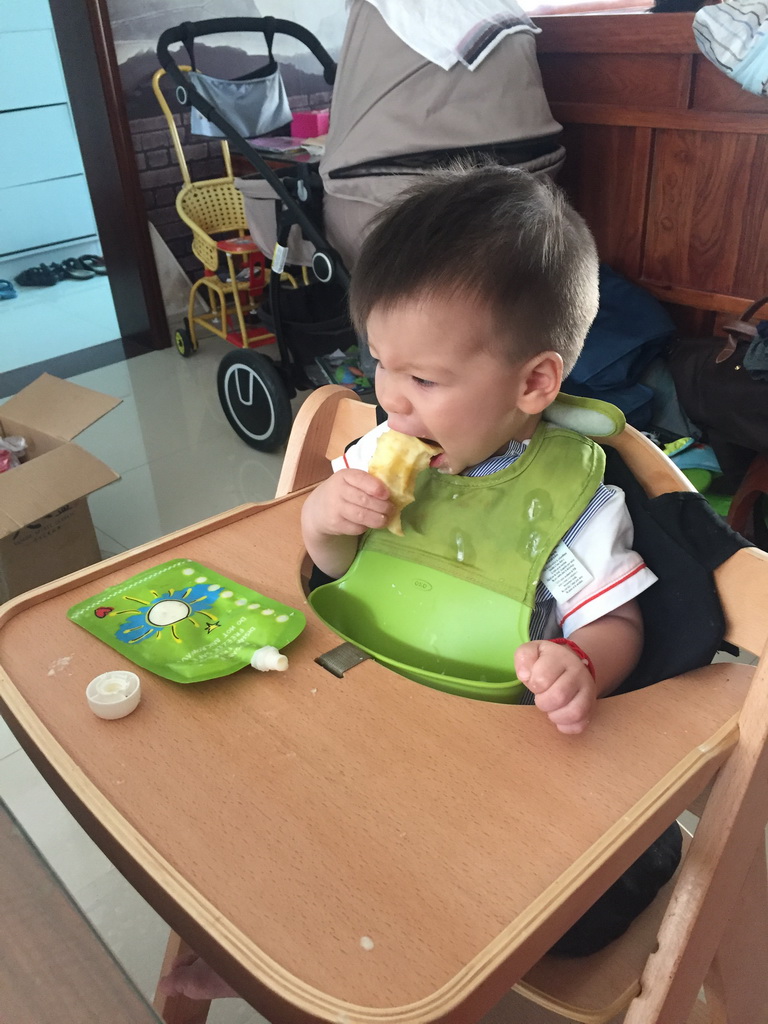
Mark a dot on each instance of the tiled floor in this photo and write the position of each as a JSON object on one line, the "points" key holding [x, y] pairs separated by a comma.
{"points": [[179, 462], [42, 323]]}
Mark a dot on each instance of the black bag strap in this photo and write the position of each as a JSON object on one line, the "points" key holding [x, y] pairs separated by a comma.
{"points": [[751, 310], [740, 330], [187, 35], [269, 36]]}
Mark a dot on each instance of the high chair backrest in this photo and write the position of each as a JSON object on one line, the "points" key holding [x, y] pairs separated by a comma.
{"points": [[699, 941], [333, 416]]}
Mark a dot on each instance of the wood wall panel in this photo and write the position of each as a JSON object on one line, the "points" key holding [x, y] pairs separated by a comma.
{"points": [[666, 158], [613, 201], [752, 265], [614, 78], [697, 208], [712, 90], [616, 33]]}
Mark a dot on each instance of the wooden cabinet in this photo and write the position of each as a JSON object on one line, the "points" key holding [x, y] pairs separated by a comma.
{"points": [[667, 158]]}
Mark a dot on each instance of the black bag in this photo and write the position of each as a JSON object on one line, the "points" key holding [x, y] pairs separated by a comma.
{"points": [[313, 318], [722, 396]]}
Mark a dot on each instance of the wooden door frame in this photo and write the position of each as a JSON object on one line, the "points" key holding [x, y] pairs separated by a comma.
{"points": [[86, 45]]}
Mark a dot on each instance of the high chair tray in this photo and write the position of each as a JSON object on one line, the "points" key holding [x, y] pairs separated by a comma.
{"points": [[357, 849]]}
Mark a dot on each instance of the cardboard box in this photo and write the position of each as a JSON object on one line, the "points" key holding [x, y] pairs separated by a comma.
{"points": [[46, 530]]}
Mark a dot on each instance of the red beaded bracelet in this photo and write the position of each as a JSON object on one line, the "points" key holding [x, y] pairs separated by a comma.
{"points": [[581, 655]]}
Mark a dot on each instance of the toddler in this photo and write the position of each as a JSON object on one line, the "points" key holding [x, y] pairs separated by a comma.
{"points": [[476, 290]]}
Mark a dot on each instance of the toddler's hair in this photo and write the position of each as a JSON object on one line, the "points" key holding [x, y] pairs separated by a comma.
{"points": [[499, 236]]}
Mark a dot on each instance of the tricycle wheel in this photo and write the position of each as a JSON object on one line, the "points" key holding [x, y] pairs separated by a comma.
{"points": [[183, 342], [254, 399]]}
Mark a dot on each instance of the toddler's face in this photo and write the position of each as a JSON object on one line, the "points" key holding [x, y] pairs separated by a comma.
{"points": [[439, 378]]}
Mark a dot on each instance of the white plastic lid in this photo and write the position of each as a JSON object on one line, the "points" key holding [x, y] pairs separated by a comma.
{"points": [[113, 694]]}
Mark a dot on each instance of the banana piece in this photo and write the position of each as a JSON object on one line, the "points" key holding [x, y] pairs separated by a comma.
{"points": [[397, 461]]}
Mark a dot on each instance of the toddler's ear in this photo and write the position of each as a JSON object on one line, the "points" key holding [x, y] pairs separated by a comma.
{"points": [[540, 382]]}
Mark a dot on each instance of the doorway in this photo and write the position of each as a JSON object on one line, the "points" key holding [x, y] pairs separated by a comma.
{"points": [[45, 206], [70, 189]]}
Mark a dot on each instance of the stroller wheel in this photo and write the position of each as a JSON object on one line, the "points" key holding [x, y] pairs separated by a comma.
{"points": [[254, 399], [183, 342]]}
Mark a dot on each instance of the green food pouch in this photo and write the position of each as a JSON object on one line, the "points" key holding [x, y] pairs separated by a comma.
{"points": [[187, 623]]}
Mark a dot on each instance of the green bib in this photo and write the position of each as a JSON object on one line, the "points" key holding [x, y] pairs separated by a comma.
{"points": [[449, 602]]}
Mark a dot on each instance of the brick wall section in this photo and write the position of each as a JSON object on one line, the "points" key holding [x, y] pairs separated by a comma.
{"points": [[160, 178]]}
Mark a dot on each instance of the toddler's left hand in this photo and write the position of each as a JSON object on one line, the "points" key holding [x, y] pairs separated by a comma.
{"points": [[564, 688]]}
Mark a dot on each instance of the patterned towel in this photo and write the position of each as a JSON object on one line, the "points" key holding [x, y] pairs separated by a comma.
{"points": [[734, 36]]}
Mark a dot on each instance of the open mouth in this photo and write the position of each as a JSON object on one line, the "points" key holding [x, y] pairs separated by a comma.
{"points": [[439, 450]]}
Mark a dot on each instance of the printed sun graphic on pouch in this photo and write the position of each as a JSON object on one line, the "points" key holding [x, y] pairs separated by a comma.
{"points": [[165, 611]]}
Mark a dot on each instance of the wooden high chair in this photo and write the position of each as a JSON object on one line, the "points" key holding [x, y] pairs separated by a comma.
{"points": [[361, 849], [715, 929]]}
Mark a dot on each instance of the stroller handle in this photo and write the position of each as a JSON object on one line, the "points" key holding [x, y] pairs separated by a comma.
{"points": [[269, 25], [188, 31]]}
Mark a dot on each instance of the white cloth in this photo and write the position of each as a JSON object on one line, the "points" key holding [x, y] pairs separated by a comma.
{"points": [[600, 541], [450, 31], [734, 36]]}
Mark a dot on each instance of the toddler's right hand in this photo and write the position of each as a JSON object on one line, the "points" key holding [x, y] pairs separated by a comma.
{"points": [[347, 504]]}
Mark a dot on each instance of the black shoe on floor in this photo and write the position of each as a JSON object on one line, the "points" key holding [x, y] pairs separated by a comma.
{"points": [[73, 269], [37, 277], [94, 263]]}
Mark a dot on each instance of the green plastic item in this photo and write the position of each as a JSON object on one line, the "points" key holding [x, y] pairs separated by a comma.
{"points": [[449, 602], [417, 603], [700, 478], [185, 622]]}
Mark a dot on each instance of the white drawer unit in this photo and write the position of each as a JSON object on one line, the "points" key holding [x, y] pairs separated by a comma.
{"points": [[44, 213], [44, 197], [31, 140], [30, 69]]}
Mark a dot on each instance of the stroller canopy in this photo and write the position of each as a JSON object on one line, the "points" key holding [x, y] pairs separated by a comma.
{"points": [[392, 109]]}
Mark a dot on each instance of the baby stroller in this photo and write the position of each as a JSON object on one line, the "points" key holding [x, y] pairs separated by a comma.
{"points": [[377, 145], [255, 391]]}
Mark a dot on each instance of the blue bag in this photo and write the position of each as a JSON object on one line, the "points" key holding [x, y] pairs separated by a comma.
{"points": [[631, 328]]}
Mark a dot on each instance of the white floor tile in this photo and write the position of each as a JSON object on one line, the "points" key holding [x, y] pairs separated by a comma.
{"points": [[179, 459], [117, 438], [179, 489], [66, 847], [42, 323], [108, 545], [8, 742], [112, 380], [133, 932]]}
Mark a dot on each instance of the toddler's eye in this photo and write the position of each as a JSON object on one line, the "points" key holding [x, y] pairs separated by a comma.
{"points": [[423, 383]]}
